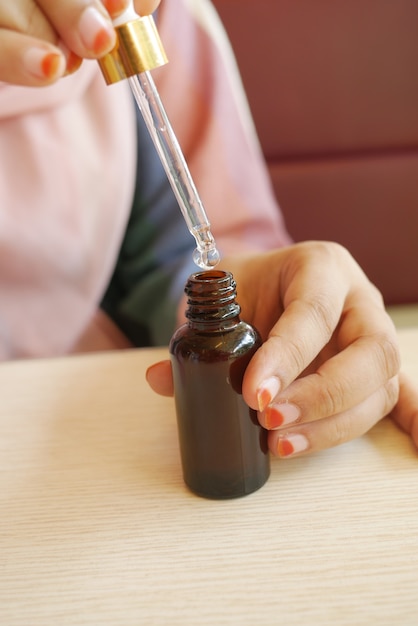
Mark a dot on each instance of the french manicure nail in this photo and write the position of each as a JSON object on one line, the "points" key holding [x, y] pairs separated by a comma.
{"points": [[73, 63], [114, 7], [43, 64], [72, 60], [291, 444], [267, 391], [96, 31], [281, 414]]}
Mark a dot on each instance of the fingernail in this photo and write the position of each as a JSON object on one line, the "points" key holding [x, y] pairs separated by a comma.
{"points": [[43, 64], [267, 391], [96, 31], [277, 415], [114, 7], [291, 444], [73, 61]]}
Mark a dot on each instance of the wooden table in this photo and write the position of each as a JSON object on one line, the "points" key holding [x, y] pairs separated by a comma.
{"points": [[97, 529]]}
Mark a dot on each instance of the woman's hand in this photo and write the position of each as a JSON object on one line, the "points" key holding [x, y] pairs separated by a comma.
{"points": [[328, 369], [44, 40]]}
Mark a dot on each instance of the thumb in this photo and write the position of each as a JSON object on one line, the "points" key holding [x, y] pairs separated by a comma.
{"points": [[160, 378], [145, 7]]}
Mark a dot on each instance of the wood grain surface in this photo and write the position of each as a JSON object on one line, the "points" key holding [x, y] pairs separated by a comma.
{"points": [[97, 528]]}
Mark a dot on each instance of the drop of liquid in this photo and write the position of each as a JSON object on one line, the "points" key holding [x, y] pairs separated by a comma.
{"points": [[207, 258]]}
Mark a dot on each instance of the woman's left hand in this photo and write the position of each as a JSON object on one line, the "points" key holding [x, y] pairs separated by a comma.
{"points": [[328, 369]]}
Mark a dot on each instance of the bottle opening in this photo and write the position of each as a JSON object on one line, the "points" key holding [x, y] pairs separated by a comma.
{"points": [[211, 296], [210, 275]]}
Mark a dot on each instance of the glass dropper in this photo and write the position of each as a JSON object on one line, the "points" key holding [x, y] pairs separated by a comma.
{"points": [[138, 50], [146, 95]]}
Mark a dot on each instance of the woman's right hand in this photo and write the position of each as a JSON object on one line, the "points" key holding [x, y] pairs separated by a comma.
{"points": [[42, 40]]}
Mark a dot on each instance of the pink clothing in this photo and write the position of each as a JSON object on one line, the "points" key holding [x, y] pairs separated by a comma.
{"points": [[68, 174], [65, 201]]}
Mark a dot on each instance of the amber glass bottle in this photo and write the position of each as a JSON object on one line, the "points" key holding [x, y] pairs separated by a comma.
{"points": [[223, 447]]}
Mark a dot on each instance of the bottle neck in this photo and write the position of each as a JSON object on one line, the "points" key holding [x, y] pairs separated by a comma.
{"points": [[211, 299]]}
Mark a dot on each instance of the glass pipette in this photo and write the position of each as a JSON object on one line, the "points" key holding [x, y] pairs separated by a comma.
{"points": [[206, 254], [138, 50]]}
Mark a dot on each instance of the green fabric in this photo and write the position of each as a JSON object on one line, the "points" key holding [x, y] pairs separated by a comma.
{"points": [[155, 258]]}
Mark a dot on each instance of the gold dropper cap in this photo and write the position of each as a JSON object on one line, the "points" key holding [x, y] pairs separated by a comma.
{"points": [[138, 49]]}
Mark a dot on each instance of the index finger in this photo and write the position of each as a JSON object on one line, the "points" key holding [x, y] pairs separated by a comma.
{"points": [[85, 27], [314, 297]]}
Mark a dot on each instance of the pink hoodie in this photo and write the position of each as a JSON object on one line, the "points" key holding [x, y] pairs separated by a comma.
{"points": [[68, 158], [66, 184]]}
